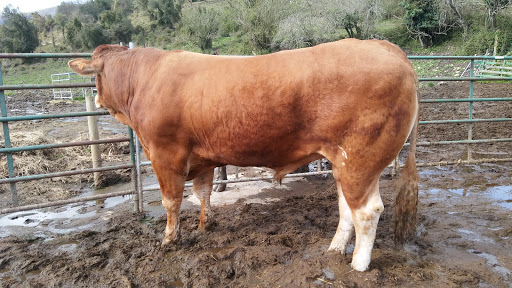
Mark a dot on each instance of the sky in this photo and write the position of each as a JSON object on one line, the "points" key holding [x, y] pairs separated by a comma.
{"points": [[30, 5]]}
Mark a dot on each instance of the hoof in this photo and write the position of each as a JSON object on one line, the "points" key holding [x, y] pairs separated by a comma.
{"points": [[167, 241], [335, 248], [360, 265], [208, 226]]}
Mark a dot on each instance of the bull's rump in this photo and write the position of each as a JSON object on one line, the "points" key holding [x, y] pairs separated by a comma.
{"points": [[276, 109]]}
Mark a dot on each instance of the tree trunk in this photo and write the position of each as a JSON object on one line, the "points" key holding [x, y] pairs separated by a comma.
{"points": [[457, 13]]}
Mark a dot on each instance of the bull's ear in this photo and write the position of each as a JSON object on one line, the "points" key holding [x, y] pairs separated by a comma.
{"points": [[85, 67]]}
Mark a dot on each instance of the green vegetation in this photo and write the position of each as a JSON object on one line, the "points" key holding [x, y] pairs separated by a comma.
{"points": [[36, 73], [17, 33], [263, 26]]}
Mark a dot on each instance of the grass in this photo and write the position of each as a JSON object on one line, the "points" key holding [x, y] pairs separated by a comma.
{"points": [[231, 45], [15, 73]]}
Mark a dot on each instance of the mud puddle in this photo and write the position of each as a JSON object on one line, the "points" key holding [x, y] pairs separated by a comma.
{"points": [[65, 219]]}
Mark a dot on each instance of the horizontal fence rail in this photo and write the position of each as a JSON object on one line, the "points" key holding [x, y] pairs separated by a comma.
{"points": [[65, 173], [62, 145], [45, 55], [52, 116], [46, 86], [476, 57], [135, 157], [464, 100]]}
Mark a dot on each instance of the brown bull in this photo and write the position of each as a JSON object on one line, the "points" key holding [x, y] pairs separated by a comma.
{"points": [[352, 102]]}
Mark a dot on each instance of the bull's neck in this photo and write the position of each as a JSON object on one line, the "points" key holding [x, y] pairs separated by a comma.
{"points": [[119, 96]]}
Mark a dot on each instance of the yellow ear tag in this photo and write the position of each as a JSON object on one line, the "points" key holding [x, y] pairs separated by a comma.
{"points": [[81, 65]]}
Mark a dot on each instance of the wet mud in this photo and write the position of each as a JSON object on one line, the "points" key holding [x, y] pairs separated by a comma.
{"points": [[278, 236]]}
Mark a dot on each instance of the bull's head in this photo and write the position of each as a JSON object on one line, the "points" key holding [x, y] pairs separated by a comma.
{"points": [[94, 68]]}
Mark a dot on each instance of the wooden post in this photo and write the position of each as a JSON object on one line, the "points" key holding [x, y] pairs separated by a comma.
{"points": [[395, 167], [93, 135], [495, 47], [220, 174]]}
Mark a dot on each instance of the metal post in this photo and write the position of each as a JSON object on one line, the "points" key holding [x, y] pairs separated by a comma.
{"points": [[92, 121], [471, 84], [139, 174], [134, 173], [135, 158], [7, 139]]}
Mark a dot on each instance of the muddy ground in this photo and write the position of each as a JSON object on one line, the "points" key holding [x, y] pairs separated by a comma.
{"points": [[276, 235]]}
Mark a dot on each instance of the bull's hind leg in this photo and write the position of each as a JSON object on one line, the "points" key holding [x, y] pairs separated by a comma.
{"points": [[360, 208], [345, 228], [366, 217], [203, 185]]}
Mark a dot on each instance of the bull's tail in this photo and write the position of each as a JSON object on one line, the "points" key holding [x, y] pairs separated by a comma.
{"points": [[407, 199]]}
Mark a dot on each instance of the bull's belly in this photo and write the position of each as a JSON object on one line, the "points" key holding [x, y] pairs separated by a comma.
{"points": [[280, 160]]}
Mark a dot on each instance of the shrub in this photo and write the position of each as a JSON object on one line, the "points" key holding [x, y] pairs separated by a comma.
{"points": [[201, 25]]}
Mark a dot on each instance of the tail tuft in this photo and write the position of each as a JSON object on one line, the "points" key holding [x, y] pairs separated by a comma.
{"points": [[406, 202]]}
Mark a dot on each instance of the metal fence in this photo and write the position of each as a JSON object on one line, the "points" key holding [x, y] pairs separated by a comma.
{"points": [[135, 155], [8, 150], [69, 93]]}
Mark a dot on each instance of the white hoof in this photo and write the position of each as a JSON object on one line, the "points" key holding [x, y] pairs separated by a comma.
{"points": [[360, 264], [336, 247], [340, 241]]}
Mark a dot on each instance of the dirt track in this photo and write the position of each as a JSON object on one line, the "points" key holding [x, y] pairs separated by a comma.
{"points": [[279, 237]]}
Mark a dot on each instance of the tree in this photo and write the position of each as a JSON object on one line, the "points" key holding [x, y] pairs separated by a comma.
{"points": [[39, 22], [313, 22], [462, 22], [259, 19], [201, 25], [493, 7], [18, 35], [61, 20], [91, 36], [72, 29], [423, 20], [68, 9], [162, 13], [94, 8], [121, 31]]}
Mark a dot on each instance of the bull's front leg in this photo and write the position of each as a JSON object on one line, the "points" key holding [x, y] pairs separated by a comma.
{"points": [[171, 177], [172, 195], [202, 187]]}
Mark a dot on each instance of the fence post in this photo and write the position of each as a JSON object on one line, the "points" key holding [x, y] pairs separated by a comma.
{"points": [[134, 176], [471, 84], [395, 166], [135, 159], [7, 139], [138, 189], [92, 121]]}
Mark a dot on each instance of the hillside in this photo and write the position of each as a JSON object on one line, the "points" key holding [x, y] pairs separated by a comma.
{"points": [[48, 11]]}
